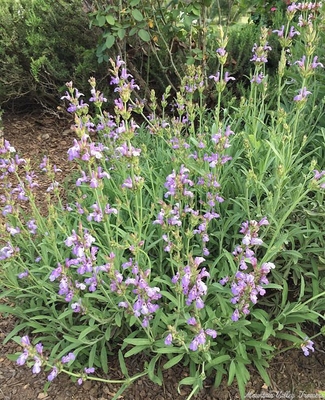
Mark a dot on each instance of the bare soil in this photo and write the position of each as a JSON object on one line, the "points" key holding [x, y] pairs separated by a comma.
{"points": [[293, 375]]}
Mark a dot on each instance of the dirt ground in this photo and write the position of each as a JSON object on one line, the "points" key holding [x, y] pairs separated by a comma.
{"points": [[293, 376]]}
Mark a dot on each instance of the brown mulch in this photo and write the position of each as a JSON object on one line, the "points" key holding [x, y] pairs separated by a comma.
{"points": [[292, 374]]}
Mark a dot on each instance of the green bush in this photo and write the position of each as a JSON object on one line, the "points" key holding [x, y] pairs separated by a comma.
{"points": [[143, 254], [43, 44]]}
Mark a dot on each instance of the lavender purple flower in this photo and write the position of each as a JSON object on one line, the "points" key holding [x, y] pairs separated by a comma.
{"points": [[53, 374], [31, 226], [21, 360], [144, 305], [8, 251], [37, 365], [318, 175], [200, 339], [258, 79], [260, 53], [68, 358], [190, 280], [169, 339], [177, 185], [302, 96], [23, 275], [307, 346], [246, 286]]}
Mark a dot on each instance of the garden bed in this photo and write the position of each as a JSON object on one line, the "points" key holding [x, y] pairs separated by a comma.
{"points": [[292, 374]]}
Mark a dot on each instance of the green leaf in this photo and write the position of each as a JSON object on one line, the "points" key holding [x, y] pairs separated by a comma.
{"points": [[124, 370], [151, 371], [110, 19], [103, 358], [290, 338], [138, 341], [85, 332], [137, 15], [9, 310], [169, 297], [110, 40], [186, 381], [94, 295], [121, 33], [262, 371], [302, 288], [134, 3], [133, 31], [175, 360], [108, 333], [169, 350], [118, 319], [101, 20], [268, 331], [72, 339], [55, 349], [16, 329], [12, 357], [92, 355], [261, 315], [66, 313], [188, 21], [135, 350], [241, 380], [144, 35], [232, 372], [259, 344], [272, 286], [218, 360], [284, 293]]}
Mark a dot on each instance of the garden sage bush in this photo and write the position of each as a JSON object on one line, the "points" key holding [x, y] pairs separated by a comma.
{"points": [[176, 236]]}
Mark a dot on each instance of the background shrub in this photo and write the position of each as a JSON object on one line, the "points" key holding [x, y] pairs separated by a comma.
{"points": [[44, 44]]}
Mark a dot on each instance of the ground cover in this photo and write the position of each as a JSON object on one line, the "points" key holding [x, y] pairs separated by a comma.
{"points": [[292, 374]]}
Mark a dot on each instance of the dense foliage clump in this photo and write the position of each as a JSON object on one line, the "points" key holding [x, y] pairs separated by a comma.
{"points": [[193, 237], [42, 44]]}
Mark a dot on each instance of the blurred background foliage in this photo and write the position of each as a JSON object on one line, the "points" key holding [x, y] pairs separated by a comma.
{"points": [[45, 43]]}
